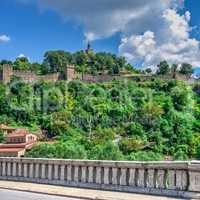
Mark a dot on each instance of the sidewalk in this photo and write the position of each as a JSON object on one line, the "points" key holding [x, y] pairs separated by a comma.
{"points": [[75, 192]]}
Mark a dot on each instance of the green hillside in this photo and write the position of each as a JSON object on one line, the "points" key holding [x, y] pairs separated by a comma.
{"points": [[119, 120]]}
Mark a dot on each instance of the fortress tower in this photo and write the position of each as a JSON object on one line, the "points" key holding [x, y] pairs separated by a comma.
{"points": [[89, 49], [7, 73], [70, 73]]}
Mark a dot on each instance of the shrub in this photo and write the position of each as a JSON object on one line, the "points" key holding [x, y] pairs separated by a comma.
{"points": [[128, 145], [145, 156], [65, 150], [107, 151], [181, 153]]}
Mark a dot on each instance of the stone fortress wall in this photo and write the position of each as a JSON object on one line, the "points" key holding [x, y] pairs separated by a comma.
{"points": [[178, 179], [70, 74], [29, 76]]}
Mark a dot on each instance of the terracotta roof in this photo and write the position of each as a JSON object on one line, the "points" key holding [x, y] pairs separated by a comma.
{"points": [[11, 150], [20, 145], [18, 133]]}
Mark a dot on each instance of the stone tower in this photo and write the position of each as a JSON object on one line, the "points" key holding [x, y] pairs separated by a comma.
{"points": [[7, 73], [89, 49], [70, 73]]}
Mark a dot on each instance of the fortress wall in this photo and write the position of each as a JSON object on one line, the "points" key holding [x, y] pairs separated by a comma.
{"points": [[179, 179], [25, 76], [99, 78], [49, 77], [29, 76]]}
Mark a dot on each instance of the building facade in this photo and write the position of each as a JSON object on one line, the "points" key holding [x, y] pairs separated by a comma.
{"points": [[17, 142]]}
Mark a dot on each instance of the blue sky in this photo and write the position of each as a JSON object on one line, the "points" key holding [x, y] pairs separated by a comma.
{"points": [[34, 27]]}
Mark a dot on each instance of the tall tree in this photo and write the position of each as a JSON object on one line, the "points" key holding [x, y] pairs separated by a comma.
{"points": [[21, 63], [56, 61], [163, 68], [186, 69]]}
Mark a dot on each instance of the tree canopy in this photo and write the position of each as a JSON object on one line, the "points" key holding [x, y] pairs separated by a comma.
{"points": [[116, 120]]}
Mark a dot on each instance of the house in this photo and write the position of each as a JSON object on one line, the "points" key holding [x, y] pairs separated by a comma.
{"points": [[17, 142], [20, 136]]}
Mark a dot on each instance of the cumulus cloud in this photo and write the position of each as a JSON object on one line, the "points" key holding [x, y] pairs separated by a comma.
{"points": [[4, 38], [151, 30], [102, 18], [170, 42]]}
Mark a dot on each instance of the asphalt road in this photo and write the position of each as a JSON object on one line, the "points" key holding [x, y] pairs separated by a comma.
{"points": [[16, 195]]}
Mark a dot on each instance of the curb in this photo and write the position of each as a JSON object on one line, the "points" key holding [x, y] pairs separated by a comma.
{"points": [[51, 194]]}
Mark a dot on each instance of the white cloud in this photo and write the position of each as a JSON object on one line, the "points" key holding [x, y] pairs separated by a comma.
{"points": [[151, 30], [4, 38], [170, 42], [103, 18], [21, 55]]}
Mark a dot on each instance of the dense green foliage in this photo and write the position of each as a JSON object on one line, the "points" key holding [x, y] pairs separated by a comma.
{"points": [[56, 61], [115, 121], [2, 137]]}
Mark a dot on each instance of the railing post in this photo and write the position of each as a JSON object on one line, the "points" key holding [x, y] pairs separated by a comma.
{"points": [[37, 170], [14, 169], [31, 170], [132, 177], [194, 177], [56, 172], [90, 174], [83, 174], [62, 172], [43, 176], [4, 168], [25, 175], [49, 171], [106, 175], [123, 177], [114, 176], [150, 178], [140, 177], [76, 174], [69, 173], [9, 168]]}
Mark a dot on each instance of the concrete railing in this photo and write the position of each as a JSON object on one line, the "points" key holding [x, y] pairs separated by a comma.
{"points": [[180, 179]]}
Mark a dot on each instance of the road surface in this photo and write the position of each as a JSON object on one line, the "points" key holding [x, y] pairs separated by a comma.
{"points": [[16, 195]]}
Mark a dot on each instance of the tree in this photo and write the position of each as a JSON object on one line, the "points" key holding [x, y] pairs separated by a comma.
{"points": [[56, 61], [2, 137], [163, 68], [36, 67], [6, 62], [186, 69], [21, 63], [148, 70], [106, 151]]}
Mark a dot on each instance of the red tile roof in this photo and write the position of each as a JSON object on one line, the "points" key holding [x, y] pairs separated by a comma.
{"points": [[20, 145], [11, 150], [18, 133]]}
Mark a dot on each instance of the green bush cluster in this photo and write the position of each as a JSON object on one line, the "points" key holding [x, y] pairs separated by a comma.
{"points": [[118, 120]]}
